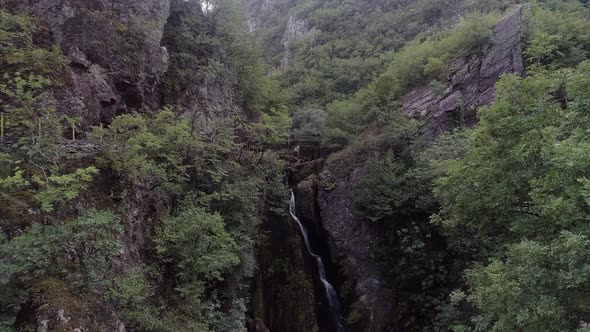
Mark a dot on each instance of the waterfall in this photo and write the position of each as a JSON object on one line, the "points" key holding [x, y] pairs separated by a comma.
{"points": [[331, 296]]}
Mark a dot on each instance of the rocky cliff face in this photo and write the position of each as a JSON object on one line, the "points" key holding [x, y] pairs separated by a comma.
{"points": [[51, 306], [296, 29], [349, 240], [114, 55], [284, 295], [257, 10], [117, 59], [471, 80], [286, 28], [116, 62], [470, 84], [203, 77]]}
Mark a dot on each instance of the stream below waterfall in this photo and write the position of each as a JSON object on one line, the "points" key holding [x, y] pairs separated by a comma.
{"points": [[333, 302]]}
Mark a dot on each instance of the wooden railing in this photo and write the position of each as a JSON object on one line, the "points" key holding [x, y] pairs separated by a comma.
{"points": [[84, 147]]}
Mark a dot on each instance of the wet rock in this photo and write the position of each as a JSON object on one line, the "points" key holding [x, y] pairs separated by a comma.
{"points": [[350, 240], [284, 294], [306, 196], [257, 325], [302, 170]]}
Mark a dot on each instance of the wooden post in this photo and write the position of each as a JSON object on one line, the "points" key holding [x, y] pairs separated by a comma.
{"points": [[2, 124], [73, 131], [39, 123], [101, 132]]}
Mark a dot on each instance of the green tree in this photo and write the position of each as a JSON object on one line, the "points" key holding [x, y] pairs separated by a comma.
{"points": [[76, 250], [522, 181], [197, 247], [557, 33], [275, 127], [38, 156], [536, 287], [160, 150], [20, 52], [382, 192], [197, 244]]}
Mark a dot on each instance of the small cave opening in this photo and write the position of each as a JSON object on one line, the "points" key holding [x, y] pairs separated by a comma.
{"points": [[130, 93]]}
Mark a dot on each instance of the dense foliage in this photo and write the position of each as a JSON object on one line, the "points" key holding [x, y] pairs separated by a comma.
{"points": [[521, 189], [30, 70], [168, 245], [356, 58], [506, 203], [484, 229]]}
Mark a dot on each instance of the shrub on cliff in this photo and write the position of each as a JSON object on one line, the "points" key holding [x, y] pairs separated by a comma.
{"points": [[558, 34], [74, 251], [23, 48], [423, 61], [518, 200]]}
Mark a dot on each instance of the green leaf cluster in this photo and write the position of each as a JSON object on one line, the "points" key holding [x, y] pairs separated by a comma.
{"points": [[519, 198], [75, 250]]}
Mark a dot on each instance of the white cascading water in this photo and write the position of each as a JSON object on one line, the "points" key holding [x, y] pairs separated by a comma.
{"points": [[331, 295]]}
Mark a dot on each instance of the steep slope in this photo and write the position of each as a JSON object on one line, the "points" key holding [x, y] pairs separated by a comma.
{"points": [[376, 300], [141, 188], [471, 80], [149, 222], [115, 59], [333, 48], [471, 83], [423, 213]]}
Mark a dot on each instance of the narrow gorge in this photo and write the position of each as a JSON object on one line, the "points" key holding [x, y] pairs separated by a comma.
{"points": [[332, 302], [294, 165], [324, 188]]}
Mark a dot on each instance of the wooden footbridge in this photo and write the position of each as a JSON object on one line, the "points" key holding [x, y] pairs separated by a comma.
{"points": [[304, 147]]}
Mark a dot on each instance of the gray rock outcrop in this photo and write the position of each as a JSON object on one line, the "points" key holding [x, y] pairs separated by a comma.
{"points": [[113, 52], [470, 85], [471, 80], [296, 29], [350, 240]]}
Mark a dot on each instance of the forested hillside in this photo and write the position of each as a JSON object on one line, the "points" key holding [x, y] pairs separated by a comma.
{"points": [[447, 204], [133, 173], [437, 151]]}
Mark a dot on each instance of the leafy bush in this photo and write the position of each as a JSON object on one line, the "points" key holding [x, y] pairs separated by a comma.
{"points": [[521, 182], [558, 36], [22, 53], [63, 188], [76, 250], [150, 149], [537, 286], [423, 61], [197, 245], [380, 194], [35, 161]]}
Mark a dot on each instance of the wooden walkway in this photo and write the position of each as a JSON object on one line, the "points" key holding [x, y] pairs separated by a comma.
{"points": [[8, 145], [305, 147]]}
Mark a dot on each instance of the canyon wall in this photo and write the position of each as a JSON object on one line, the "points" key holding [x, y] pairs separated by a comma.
{"points": [[470, 85]]}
